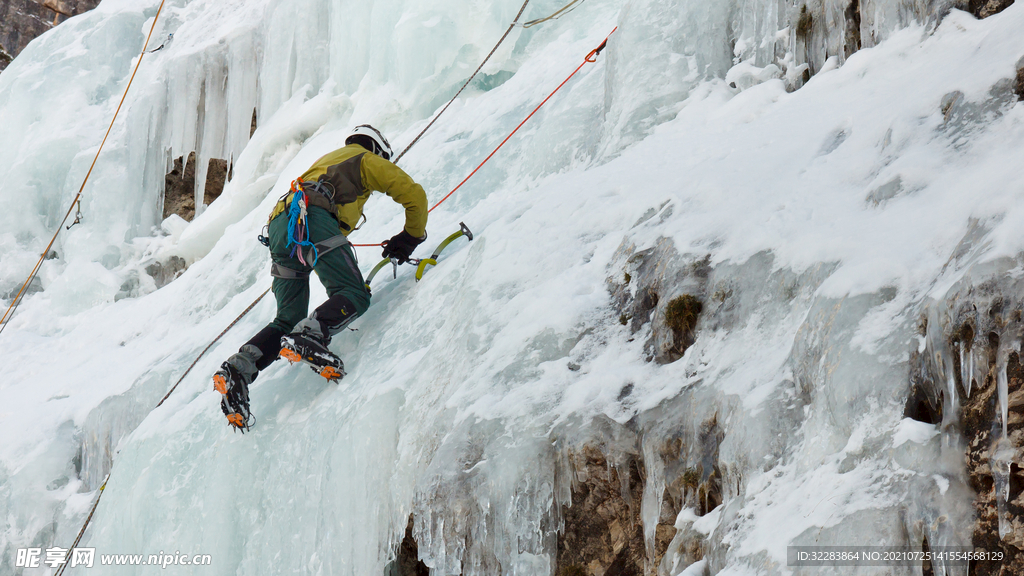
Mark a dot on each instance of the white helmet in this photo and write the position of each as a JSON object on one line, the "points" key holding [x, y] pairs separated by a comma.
{"points": [[380, 143]]}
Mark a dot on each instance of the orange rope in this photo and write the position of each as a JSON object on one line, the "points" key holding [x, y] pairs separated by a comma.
{"points": [[590, 58], [480, 67], [17, 299]]}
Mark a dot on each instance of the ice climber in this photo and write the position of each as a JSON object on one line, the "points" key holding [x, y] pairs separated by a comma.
{"points": [[308, 231]]}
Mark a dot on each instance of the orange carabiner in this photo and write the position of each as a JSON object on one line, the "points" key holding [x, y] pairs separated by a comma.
{"points": [[592, 57]]}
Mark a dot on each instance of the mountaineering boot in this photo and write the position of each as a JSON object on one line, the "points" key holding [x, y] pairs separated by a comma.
{"points": [[307, 344], [235, 400], [232, 381]]}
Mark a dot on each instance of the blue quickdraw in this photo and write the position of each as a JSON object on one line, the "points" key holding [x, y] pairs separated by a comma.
{"points": [[298, 226]]}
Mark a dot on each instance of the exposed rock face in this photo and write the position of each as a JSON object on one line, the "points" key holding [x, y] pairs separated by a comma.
{"points": [[603, 532], [852, 42], [179, 186], [1018, 85], [23, 20], [407, 563], [672, 304], [165, 272], [811, 23], [986, 8], [180, 183], [987, 327], [972, 342], [980, 412]]}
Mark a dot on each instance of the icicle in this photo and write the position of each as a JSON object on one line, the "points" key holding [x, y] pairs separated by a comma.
{"points": [[981, 367], [1001, 360], [945, 361], [1002, 457], [653, 496], [1002, 450], [964, 352], [943, 364], [970, 371]]}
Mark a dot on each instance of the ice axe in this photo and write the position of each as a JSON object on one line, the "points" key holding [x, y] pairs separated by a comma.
{"points": [[421, 265]]}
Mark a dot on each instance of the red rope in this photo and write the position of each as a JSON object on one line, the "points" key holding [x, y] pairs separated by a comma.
{"points": [[590, 58]]}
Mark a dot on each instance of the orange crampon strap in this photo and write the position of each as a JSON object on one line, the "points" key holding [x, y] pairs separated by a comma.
{"points": [[331, 373], [237, 422]]}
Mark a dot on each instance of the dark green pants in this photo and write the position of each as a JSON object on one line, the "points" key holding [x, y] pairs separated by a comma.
{"points": [[337, 270], [347, 299]]}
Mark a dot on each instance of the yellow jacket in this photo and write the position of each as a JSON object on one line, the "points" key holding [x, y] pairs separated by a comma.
{"points": [[352, 173]]}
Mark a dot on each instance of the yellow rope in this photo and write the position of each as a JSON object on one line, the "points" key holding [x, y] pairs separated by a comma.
{"points": [[81, 532], [10, 310], [17, 299]]}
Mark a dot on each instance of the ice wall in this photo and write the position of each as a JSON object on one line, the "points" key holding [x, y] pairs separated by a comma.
{"points": [[750, 41], [823, 217], [227, 59]]}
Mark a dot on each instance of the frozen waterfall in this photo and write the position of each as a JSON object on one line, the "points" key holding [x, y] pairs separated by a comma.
{"points": [[751, 280]]}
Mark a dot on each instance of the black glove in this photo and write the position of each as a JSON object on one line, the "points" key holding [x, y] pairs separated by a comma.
{"points": [[401, 245]]}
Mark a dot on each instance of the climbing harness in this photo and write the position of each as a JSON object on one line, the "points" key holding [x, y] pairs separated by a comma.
{"points": [[317, 250], [471, 76], [77, 201], [298, 225], [319, 194]]}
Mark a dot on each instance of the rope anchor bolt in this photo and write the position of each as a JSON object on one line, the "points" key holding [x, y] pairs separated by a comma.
{"points": [[78, 215]]}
